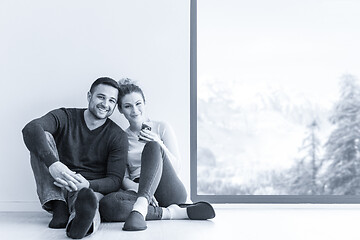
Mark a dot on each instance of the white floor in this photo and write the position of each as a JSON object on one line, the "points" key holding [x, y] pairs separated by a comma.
{"points": [[245, 222]]}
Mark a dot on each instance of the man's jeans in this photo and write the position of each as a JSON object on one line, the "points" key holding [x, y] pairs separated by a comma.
{"points": [[47, 191]]}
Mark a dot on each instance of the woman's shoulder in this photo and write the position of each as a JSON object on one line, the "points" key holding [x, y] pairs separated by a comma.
{"points": [[161, 125]]}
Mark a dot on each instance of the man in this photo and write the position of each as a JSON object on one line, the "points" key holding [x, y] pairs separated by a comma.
{"points": [[78, 156]]}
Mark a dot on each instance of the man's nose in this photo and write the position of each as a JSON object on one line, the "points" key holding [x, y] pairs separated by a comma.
{"points": [[105, 103]]}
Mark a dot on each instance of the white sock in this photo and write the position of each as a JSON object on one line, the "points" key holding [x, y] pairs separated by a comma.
{"points": [[166, 215], [174, 212], [141, 206]]}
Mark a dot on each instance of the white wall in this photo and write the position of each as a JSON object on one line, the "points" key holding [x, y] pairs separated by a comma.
{"points": [[51, 52]]}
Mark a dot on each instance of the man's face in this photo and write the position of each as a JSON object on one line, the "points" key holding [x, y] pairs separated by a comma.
{"points": [[102, 101]]}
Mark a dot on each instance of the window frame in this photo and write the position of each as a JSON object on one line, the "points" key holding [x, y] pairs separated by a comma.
{"points": [[251, 199]]}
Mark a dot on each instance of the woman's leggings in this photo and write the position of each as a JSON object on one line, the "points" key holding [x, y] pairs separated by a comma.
{"points": [[157, 178]]}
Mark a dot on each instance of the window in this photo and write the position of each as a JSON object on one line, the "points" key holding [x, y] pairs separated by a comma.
{"points": [[275, 101]]}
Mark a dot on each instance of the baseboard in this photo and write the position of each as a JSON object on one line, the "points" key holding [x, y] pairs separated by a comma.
{"points": [[20, 206]]}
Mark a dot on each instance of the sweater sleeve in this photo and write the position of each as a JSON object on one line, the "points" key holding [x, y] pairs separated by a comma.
{"points": [[116, 165], [170, 147], [35, 138]]}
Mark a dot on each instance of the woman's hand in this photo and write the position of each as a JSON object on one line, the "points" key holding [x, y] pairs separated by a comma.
{"points": [[154, 202], [130, 185], [148, 136]]}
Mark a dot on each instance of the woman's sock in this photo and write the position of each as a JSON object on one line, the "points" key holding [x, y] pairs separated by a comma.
{"points": [[60, 214], [141, 205], [174, 212], [136, 219], [195, 211]]}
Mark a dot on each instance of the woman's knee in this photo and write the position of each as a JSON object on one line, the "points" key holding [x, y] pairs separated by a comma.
{"points": [[152, 146], [114, 209], [152, 152], [176, 197], [181, 196]]}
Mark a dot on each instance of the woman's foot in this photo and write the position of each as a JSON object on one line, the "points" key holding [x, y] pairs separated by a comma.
{"points": [[135, 222], [194, 211], [199, 210]]}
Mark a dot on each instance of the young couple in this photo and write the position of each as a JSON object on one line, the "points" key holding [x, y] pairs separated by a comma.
{"points": [[87, 168]]}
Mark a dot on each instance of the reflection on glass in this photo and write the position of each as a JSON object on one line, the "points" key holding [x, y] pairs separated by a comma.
{"points": [[278, 98]]}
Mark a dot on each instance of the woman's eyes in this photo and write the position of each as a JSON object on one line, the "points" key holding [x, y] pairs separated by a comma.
{"points": [[137, 104]]}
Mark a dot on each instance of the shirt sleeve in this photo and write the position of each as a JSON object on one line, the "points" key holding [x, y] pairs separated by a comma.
{"points": [[171, 148], [35, 138], [116, 165]]}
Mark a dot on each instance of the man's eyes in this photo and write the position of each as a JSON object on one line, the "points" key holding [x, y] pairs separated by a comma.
{"points": [[103, 98]]}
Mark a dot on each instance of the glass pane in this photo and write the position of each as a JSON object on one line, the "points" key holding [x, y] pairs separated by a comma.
{"points": [[278, 97]]}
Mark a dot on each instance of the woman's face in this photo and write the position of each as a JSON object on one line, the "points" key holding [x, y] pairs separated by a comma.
{"points": [[133, 108]]}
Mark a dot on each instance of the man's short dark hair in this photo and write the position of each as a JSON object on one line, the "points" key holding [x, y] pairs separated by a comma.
{"points": [[104, 80]]}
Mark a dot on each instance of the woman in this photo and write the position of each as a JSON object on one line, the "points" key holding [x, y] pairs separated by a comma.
{"points": [[151, 187]]}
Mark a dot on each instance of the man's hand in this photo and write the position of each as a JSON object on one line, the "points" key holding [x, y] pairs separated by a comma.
{"points": [[56, 171], [72, 182], [65, 178]]}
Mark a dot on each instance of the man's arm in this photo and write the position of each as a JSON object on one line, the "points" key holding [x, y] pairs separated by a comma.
{"points": [[35, 138], [116, 165]]}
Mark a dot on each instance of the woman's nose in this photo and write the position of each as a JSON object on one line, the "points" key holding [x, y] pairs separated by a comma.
{"points": [[135, 110]]}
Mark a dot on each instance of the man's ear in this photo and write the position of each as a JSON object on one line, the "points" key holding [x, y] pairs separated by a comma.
{"points": [[89, 96]]}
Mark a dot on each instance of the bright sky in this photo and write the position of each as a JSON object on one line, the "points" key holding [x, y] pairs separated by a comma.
{"points": [[302, 46]]}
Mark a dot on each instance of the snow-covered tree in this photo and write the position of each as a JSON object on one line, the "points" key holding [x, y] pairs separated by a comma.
{"points": [[342, 175], [302, 178]]}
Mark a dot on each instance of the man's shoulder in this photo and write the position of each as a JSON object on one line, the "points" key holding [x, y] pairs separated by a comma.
{"points": [[68, 111], [116, 128]]}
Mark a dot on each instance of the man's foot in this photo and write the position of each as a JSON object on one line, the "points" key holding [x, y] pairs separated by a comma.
{"points": [[135, 222], [60, 214], [199, 210], [85, 208]]}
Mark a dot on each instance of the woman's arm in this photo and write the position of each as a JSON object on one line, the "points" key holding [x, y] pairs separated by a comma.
{"points": [[167, 140], [129, 184], [170, 146]]}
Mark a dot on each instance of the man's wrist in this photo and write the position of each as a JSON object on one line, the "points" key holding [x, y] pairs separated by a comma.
{"points": [[87, 184], [49, 159]]}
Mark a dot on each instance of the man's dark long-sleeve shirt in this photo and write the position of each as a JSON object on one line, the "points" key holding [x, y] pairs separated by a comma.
{"points": [[99, 155]]}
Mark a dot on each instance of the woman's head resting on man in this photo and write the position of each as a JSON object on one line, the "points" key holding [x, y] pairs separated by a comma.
{"points": [[131, 101]]}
